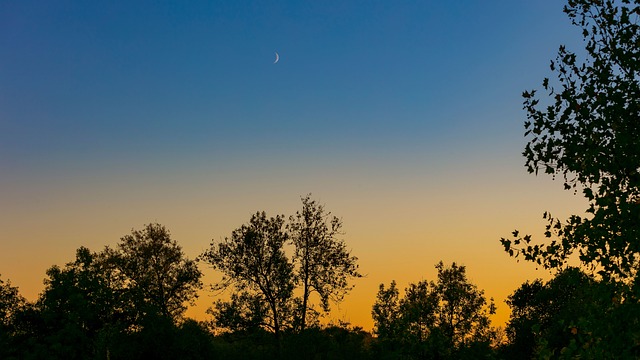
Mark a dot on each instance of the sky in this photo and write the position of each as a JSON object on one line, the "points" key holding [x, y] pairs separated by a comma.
{"points": [[404, 118]]}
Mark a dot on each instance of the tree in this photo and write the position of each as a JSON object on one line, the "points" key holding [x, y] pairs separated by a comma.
{"points": [[253, 259], [324, 265], [589, 134], [527, 312], [256, 265], [78, 306], [386, 312], [418, 309], [11, 302], [159, 276], [90, 309], [404, 324], [463, 312]]}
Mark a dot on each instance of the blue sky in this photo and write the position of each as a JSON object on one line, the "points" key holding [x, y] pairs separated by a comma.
{"points": [[86, 79], [403, 117]]}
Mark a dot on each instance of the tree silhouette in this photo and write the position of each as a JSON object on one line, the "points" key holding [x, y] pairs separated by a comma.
{"points": [[159, 276], [463, 312], [323, 263], [418, 309], [587, 131], [386, 312], [78, 306], [121, 303], [589, 134], [254, 262], [572, 315], [11, 302], [253, 259]]}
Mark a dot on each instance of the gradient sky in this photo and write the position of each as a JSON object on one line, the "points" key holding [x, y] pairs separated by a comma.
{"points": [[402, 117]]}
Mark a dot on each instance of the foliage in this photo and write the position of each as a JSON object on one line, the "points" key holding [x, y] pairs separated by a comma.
{"points": [[323, 263], [418, 309], [159, 338], [331, 342], [93, 307], [77, 307], [386, 313], [158, 275], [100, 301], [245, 312], [463, 312], [445, 318], [590, 135], [11, 303]]}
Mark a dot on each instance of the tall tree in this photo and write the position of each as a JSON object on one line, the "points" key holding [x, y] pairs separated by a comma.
{"points": [[253, 259], [160, 277], [588, 132], [323, 263]]}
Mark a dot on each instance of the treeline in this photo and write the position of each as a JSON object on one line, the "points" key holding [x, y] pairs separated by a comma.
{"points": [[123, 302], [128, 302], [573, 315]]}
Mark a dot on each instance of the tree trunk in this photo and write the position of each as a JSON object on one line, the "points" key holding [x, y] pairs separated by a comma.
{"points": [[305, 297], [276, 327]]}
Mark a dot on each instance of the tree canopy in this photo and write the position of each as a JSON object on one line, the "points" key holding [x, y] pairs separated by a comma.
{"points": [[253, 259], [11, 303], [586, 130], [266, 261], [159, 276]]}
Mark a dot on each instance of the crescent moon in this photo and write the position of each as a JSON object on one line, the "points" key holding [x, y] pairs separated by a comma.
{"points": [[277, 58]]}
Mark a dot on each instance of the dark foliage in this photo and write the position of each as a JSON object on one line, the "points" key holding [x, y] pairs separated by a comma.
{"points": [[157, 276], [266, 260], [443, 319], [572, 315], [254, 264], [11, 305], [589, 134], [323, 263]]}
